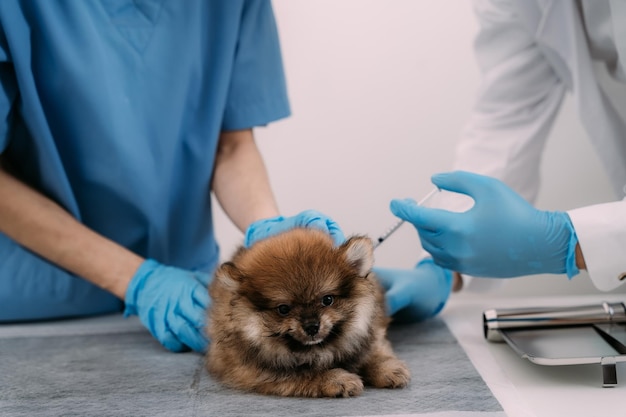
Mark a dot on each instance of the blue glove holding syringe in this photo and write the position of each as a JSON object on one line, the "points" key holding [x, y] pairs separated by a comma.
{"points": [[414, 294], [501, 236]]}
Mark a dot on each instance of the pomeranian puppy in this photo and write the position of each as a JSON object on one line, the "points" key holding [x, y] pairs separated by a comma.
{"points": [[294, 315]]}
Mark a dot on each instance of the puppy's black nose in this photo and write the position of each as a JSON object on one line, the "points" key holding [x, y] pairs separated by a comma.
{"points": [[312, 328]]}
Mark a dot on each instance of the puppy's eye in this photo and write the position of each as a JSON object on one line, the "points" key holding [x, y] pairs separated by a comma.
{"points": [[283, 309], [327, 300]]}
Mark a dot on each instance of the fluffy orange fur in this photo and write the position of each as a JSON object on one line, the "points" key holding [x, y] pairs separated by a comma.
{"points": [[295, 315]]}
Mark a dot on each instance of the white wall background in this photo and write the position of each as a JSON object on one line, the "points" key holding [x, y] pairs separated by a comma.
{"points": [[380, 91]]}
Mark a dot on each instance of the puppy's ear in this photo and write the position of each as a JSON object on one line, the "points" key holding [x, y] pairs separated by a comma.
{"points": [[229, 275], [359, 253]]}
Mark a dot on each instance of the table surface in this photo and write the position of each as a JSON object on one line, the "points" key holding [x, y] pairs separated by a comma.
{"points": [[110, 366], [526, 389], [76, 363]]}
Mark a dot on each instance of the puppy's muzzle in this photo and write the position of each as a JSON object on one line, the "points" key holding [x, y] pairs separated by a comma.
{"points": [[311, 328]]}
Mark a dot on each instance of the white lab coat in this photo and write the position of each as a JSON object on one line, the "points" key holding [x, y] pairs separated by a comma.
{"points": [[530, 53]]}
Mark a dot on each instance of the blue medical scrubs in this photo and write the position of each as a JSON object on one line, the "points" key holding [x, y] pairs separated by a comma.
{"points": [[112, 108]]}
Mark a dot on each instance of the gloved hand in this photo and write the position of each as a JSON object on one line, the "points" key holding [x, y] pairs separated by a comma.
{"points": [[171, 303], [274, 225], [502, 235], [415, 294]]}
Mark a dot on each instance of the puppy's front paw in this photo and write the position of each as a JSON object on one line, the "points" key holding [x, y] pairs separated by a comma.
{"points": [[392, 373], [340, 383]]}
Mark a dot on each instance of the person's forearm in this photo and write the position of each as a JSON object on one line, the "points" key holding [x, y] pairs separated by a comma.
{"points": [[240, 181], [42, 226], [580, 259]]}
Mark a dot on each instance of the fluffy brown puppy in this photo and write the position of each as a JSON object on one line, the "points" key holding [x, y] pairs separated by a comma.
{"points": [[295, 315]]}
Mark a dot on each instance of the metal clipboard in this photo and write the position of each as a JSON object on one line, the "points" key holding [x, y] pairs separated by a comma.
{"points": [[570, 335]]}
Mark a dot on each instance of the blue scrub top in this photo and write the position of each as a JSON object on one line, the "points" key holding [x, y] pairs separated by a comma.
{"points": [[113, 108]]}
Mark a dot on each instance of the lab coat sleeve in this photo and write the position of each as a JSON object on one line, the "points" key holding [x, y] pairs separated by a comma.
{"points": [[518, 99], [8, 91], [258, 93], [600, 231]]}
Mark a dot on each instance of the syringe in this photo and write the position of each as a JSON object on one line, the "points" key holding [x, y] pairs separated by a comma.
{"points": [[396, 226]]}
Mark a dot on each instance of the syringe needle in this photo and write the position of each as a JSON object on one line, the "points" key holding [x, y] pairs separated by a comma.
{"points": [[388, 233], [396, 226]]}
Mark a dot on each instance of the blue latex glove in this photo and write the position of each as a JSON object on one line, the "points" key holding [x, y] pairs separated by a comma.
{"points": [[502, 235], [274, 225], [172, 303], [415, 294]]}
